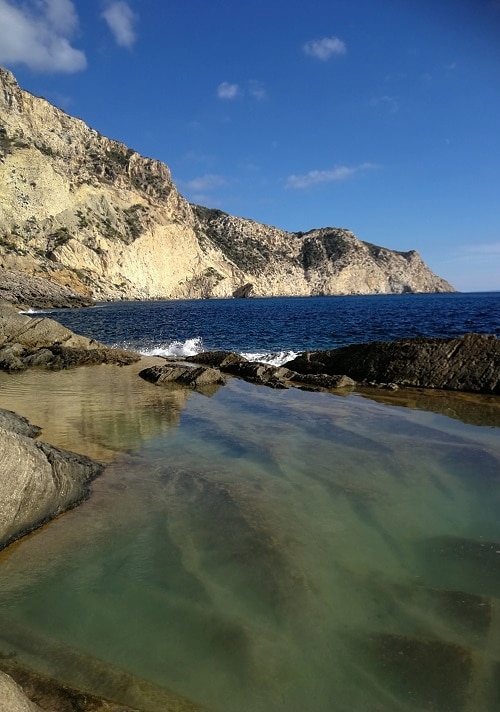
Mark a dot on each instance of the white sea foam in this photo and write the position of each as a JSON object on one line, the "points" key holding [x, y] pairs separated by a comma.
{"points": [[274, 358], [189, 347], [35, 311]]}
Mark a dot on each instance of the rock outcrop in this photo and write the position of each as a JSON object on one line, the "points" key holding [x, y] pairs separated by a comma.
{"points": [[24, 290], [468, 363], [93, 216], [265, 374], [196, 378], [27, 342], [38, 481]]}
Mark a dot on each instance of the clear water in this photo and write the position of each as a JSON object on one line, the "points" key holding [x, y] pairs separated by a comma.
{"points": [[262, 550]]}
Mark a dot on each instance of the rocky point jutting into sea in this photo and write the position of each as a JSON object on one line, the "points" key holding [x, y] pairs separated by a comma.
{"points": [[95, 217]]}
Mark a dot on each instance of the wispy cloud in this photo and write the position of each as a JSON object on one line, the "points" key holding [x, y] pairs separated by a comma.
{"points": [[225, 90], [481, 248], [386, 102], [38, 34], [209, 181], [257, 90], [325, 48], [121, 21], [332, 175]]}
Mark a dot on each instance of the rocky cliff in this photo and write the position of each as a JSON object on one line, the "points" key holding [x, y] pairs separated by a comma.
{"points": [[92, 215]]}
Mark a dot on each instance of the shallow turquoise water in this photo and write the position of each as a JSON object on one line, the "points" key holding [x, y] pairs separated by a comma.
{"points": [[275, 550]]}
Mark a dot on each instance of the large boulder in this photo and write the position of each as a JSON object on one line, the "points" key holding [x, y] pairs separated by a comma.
{"points": [[195, 377], [38, 481], [12, 698], [467, 363]]}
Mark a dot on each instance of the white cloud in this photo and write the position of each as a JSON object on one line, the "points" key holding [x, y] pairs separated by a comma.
{"points": [[38, 35], [225, 90], [386, 102], [209, 181], [325, 48], [121, 21], [481, 248], [257, 90], [333, 175]]}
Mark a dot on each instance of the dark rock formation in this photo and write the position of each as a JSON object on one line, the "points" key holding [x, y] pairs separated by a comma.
{"points": [[27, 342], [468, 363], [192, 376], [218, 359], [266, 374], [320, 381], [36, 292], [244, 291]]}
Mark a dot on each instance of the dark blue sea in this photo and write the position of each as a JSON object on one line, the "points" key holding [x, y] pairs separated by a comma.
{"points": [[261, 550], [275, 329]]}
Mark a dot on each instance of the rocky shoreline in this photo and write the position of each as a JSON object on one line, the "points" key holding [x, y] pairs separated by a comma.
{"points": [[41, 481], [469, 364]]}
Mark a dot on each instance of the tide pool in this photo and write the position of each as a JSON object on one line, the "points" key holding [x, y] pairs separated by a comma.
{"points": [[262, 550]]}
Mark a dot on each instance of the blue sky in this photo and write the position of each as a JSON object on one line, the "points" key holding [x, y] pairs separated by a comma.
{"points": [[380, 116]]}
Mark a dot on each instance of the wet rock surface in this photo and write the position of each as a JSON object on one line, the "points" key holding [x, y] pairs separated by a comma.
{"points": [[468, 363], [27, 342]]}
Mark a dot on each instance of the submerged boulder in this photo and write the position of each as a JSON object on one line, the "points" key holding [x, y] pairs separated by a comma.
{"points": [[468, 363]]}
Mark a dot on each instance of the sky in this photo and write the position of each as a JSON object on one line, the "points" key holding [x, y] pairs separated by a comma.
{"points": [[379, 116]]}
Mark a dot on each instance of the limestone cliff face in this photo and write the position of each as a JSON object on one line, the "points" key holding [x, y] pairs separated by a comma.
{"points": [[91, 214]]}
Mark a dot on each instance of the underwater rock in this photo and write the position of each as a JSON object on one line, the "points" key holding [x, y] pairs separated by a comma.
{"points": [[429, 673]]}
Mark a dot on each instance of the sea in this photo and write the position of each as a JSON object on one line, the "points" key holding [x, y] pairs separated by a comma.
{"points": [[258, 550]]}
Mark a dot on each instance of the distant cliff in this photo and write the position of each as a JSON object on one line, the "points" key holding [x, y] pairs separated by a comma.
{"points": [[88, 213]]}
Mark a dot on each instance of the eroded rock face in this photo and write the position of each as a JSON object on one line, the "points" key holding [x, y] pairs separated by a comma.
{"points": [[27, 342], [92, 215], [38, 480], [468, 363]]}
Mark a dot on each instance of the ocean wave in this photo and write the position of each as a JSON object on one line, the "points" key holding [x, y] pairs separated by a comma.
{"points": [[274, 358], [193, 346], [189, 347]]}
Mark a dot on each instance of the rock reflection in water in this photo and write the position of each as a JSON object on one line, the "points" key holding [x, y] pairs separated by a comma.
{"points": [[277, 550]]}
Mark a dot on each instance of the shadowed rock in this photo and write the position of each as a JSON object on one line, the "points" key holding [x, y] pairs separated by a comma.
{"points": [[192, 376], [468, 363], [266, 374], [218, 359]]}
